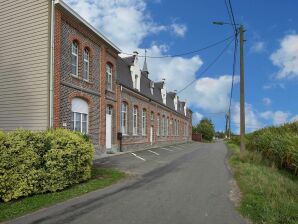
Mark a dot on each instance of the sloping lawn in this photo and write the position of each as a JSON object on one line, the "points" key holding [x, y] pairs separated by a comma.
{"points": [[269, 195], [101, 178]]}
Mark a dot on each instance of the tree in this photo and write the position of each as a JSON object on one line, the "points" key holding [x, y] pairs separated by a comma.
{"points": [[206, 128]]}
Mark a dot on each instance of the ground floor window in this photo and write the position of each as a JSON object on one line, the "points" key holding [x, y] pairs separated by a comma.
{"points": [[79, 118]]}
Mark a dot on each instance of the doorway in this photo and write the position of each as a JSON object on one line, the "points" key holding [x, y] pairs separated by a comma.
{"points": [[109, 127]]}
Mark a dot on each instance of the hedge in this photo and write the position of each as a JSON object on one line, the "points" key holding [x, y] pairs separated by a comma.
{"points": [[278, 144], [39, 162]]}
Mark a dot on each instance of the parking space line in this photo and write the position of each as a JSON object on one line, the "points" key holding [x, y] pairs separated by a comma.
{"points": [[168, 149], [153, 152], [139, 157]]}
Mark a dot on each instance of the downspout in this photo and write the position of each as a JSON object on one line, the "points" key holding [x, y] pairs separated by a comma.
{"points": [[52, 65]]}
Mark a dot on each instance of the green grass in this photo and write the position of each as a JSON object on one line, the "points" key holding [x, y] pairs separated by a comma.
{"points": [[100, 178], [269, 195]]}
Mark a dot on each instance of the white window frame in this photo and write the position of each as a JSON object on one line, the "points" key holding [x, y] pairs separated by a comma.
{"points": [[144, 122], [167, 127], [75, 53], [109, 77], [86, 57], [124, 117], [79, 109], [135, 121]]}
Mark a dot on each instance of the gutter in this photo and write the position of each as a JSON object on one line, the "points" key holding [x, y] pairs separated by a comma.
{"points": [[51, 122]]}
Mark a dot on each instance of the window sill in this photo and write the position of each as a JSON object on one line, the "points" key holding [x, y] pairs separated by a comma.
{"points": [[81, 79], [109, 90]]}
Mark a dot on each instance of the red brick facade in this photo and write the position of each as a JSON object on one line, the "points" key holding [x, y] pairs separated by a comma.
{"points": [[67, 87]]}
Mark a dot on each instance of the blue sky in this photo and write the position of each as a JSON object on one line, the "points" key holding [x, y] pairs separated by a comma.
{"points": [[167, 27]]}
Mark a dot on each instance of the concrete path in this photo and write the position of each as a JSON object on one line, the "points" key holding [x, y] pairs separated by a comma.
{"points": [[183, 184]]}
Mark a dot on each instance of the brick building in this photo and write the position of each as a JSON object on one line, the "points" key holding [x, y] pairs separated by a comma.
{"points": [[61, 72]]}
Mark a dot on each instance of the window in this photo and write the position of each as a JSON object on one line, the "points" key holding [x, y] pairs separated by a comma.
{"points": [[167, 127], [86, 64], [152, 117], [162, 128], [178, 126], [79, 118], [109, 75], [124, 118], [144, 122], [135, 120], [109, 110], [158, 126], [74, 59], [136, 82]]}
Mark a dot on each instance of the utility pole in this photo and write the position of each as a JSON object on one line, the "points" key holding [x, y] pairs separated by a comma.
{"points": [[242, 99]]}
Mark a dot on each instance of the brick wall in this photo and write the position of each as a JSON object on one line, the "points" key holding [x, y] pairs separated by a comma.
{"points": [[131, 141]]}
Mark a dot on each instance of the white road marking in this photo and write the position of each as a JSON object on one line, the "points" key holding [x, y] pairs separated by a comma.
{"points": [[154, 152], [174, 147], [138, 156], [168, 149]]}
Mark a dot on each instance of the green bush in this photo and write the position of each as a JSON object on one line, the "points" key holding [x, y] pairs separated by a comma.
{"points": [[206, 128], [39, 162], [278, 144]]}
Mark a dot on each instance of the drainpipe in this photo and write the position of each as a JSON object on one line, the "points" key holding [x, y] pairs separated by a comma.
{"points": [[52, 65]]}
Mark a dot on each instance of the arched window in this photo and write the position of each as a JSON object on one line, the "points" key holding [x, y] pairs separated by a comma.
{"points": [[109, 75], [80, 110], [135, 120], [124, 128], [86, 64], [144, 122], [74, 59]]}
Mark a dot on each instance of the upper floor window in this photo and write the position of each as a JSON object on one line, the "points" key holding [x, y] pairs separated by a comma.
{"points": [[144, 122], [152, 116], [123, 121], [86, 64], [135, 120], [109, 75], [74, 59], [79, 118]]}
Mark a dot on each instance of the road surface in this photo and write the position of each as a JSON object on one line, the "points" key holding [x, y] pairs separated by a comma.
{"points": [[188, 183]]}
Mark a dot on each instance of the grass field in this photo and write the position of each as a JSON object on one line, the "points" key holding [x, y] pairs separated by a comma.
{"points": [[269, 195], [100, 178]]}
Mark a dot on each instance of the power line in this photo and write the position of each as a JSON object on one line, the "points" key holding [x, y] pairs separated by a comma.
{"points": [[188, 52], [209, 66]]}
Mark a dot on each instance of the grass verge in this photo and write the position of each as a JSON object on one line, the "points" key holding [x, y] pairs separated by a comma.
{"points": [[269, 195], [101, 178]]}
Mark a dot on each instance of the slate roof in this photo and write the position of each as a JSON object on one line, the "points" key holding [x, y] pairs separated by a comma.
{"points": [[124, 78]]}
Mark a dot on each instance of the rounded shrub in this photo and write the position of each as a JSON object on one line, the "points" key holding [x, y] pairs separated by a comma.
{"points": [[38, 162]]}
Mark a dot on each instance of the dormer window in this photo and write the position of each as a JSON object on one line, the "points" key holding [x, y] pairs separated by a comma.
{"points": [[152, 87], [135, 82]]}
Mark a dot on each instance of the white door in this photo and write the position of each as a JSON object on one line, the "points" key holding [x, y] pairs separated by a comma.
{"points": [[108, 131], [151, 135]]}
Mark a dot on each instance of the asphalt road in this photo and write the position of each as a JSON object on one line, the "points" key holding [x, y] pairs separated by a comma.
{"points": [[187, 183]]}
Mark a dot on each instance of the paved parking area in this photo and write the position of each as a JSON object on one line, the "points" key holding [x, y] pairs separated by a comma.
{"points": [[143, 161]]}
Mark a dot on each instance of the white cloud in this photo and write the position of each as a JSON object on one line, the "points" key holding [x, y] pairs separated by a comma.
{"points": [[274, 85], [267, 101], [125, 22], [277, 117], [179, 29], [257, 47], [295, 118], [286, 57], [252, 122], [212, 94], [197, 117]]}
